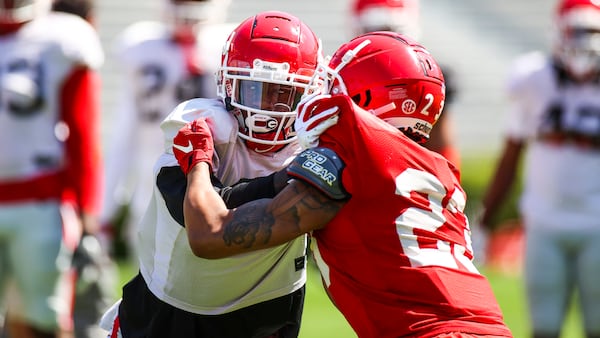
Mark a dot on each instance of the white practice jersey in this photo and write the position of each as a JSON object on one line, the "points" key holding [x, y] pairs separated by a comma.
{"points": [[210, 287], [561, 121], [155, 79], [34, 63]]}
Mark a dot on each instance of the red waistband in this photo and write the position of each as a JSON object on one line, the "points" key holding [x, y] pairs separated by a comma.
{"points": [[43, 187]]}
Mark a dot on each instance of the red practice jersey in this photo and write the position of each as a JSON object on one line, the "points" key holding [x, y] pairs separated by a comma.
{"points": [[397, 259]]}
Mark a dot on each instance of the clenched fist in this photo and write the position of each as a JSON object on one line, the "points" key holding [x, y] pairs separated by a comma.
{"points": [[193, 144]]}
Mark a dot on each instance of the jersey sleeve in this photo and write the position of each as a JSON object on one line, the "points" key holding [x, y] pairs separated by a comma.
{"points": [[78, 39], [80, 112], [523, 76], [172, 184]]}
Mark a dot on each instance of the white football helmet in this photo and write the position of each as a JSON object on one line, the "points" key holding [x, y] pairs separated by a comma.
{"points": [[577, 43], [266, 66], [185, 16], [400, 16]]}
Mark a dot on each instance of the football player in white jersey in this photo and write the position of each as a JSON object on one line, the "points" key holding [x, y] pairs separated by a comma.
{"points": [[555, 116], [161, 63], [49, 159], [267, 64]]}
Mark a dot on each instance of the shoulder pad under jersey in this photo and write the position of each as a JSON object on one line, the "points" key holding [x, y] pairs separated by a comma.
{"points": [[78, 39], [321, 168], [212, 109], [136, 35], [530, 69]]}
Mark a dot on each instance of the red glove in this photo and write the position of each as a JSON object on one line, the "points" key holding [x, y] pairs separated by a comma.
{"points": [[193, 144]]}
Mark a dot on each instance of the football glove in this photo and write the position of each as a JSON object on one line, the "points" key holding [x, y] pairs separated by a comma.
{"points": [[193, 144], [317, 113]]}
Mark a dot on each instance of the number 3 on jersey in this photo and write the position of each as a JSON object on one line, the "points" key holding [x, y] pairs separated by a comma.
{"points": [[440, 252]]}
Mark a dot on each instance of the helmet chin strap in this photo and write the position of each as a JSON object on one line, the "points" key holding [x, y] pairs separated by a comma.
{"points": [[264, 150]]}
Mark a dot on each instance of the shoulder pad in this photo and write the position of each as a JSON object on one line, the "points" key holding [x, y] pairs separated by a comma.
{"points": [[190, 110], [137, 34], [321, 168], [78, 39]]}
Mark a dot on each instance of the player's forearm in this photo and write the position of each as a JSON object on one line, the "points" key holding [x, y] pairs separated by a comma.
{"points": [[216, 232], [204, 213], [502, 181]]}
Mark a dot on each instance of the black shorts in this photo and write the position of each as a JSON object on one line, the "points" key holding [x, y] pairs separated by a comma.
{"points": [[141, 314]]}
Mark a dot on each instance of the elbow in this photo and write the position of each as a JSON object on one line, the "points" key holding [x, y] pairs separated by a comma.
{"points": [[206, 248]]}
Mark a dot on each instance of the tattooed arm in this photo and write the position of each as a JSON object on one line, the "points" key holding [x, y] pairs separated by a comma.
{"points": [[216, 232]]}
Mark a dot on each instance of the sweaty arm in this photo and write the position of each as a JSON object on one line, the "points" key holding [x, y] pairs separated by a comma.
{"points": [[214, 231], [502, 181]]}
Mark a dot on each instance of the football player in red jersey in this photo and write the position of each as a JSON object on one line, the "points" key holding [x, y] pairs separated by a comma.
{"points": [[553, 127], [385, 214], [49, 158]]}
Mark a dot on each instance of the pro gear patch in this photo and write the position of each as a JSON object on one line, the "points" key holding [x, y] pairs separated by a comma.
{"points": [[321, 168]]}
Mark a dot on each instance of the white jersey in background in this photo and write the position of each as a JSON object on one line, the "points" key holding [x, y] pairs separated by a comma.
{"points": [[49, 158], [155, 79], [34, 63], [166, 259], [563, 160]]}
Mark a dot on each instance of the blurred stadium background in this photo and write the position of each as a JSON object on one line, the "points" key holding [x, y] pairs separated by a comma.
{"points": [[478, 39]]}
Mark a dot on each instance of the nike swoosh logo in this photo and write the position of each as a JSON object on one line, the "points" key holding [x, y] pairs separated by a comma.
{"points": [[185, 149]]}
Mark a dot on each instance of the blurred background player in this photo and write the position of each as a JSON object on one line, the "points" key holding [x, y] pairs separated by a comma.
{"points": [[555, 116], [50, 161], [162, 64], [266, 66], [402, 16], [96, 273]]}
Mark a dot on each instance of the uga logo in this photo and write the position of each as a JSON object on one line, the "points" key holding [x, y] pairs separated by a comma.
{"points": [[261, 123]]}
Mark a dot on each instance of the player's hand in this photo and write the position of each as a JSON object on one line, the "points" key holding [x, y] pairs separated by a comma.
{"points": [[317, 113], [193, 144]]}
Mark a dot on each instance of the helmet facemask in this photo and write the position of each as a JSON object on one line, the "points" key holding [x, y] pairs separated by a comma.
{"points": [[14, 13], [264, 99], [580, 51], [266, 67], [577, 43]]}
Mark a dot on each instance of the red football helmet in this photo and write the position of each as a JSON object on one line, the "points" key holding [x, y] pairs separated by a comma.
{"points": [[266, 66], [578, 36], [400, 16], [392, 76], [14, 13]]}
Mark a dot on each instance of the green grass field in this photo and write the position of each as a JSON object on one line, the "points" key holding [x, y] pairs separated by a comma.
{"points": [[322, 320]]}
